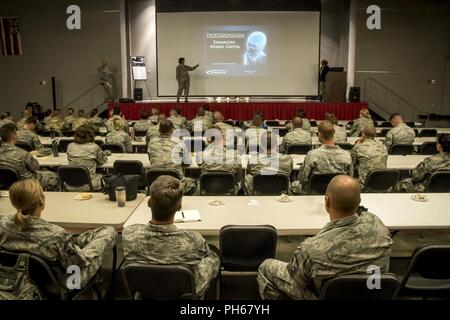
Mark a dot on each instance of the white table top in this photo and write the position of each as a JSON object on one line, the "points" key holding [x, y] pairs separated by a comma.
{"points": [[306, 215], [62, 209], [47, 141]]}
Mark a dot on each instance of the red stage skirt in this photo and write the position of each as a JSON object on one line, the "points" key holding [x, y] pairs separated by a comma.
{"points": [[244, 111]]}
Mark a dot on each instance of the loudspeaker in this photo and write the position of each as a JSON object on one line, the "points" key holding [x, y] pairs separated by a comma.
{"points": [[354, 94], [137, 94]]}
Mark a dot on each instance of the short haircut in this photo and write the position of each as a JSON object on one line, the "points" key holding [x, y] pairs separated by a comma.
{"points": [[144, 115], [344, 193], [206, 107], [7, 132], [180, 60], [81, 111], [370, 131], [177, 110], [84, 134], [326, 129], [297, 122], [165, 126], [393, 116], [324, 61], [71, 109], [31, 120], [94, 112], [444, 141], [256, 119], [301, 113], [116, 111], [332, 118], [118, 125], [165, 195]]}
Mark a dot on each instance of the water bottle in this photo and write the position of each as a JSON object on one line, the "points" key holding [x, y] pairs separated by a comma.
{"points": [[52, 133], [121, 196], [55, 148]]}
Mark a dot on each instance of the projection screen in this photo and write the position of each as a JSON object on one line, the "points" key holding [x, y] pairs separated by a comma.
{"points": [[240, 53]]}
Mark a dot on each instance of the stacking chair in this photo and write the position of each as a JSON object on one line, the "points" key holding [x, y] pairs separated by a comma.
{"points": [[99, 142], [114, 148], [159, 282], [428, 148], [7, 177], [74, 177], [345, 146], [381, 180], [428, 133], [273, 184], [244, 248], [217, 183], [313, 123], [439, 181], [140, 133], [63, 144], [130, 167], [354, 287], [24, 145], [410, 124], [272, 123], [386, 124], [298, 148], [152, 174], [428, 271], [195, 145], [319, 182], [401, 149], [384, 132], [282, 132]]}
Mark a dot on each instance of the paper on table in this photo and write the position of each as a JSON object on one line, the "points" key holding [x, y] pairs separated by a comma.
{"points": [[187, 216]]}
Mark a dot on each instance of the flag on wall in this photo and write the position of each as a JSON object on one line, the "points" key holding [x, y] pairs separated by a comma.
{"points": [[10, 36]]}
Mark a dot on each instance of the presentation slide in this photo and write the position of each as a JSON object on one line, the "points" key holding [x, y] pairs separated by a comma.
{"points": [[240, 53]]}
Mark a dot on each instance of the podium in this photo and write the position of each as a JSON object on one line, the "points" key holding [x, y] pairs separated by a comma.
{"points": [[335, 86]]}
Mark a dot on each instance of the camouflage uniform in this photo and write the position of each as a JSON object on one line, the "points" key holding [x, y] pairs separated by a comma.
{"points": [[253, 135], [368, 156], [220, 159], [210, 116], [340, 134], [305, 126], [142, 125], [153, 119], [182, 76], [80, 121], [359, 124], [423, 171], [204, 120], [325, 159], [400, 134], [110, 123], [5, 121], [32, 138], [265, 164], [96, 121], [163, 150], [152, 132], [165, 244], [60, 248], [68, 121], [228, 131], [55, 123], [344, 246], [297, 136], [88, 155], [27, 166], [121, 138], [21, 123], [178, 122]]}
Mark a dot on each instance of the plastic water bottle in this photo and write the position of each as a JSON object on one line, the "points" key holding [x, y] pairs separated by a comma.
{"points": [[55, 148]]}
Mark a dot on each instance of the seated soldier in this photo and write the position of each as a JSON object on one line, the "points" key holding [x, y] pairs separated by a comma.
{"points": [[254, 132], [95, 120], [217, 158], [421, 174], [306, 124], [81, 120], [154, 118], [144, 124], [296, 136], [55, 123], [168, 152], [119, 137], [26, 231], [400, 134], [116, 114], [368, 154], [153, 131], [201, 122], [27, 134], [349, 244], [364, 120], [160, 242], [340, 133], [268, 161], [22, 161], [227, 130], [328, 158], [179, 122], [83, 151]]}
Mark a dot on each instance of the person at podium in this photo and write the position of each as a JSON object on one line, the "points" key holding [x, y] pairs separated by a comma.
{"points": [[324, 69]]}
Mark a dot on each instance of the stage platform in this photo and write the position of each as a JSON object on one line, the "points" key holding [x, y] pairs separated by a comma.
{"points": [[281, 110]]}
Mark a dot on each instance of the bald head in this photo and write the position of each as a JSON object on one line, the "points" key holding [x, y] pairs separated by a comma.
{"points": [[297, 122], [217, 116], [326, 130], [342, 197], [369, 132]]}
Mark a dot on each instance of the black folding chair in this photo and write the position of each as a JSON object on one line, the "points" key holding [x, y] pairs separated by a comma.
{"points": [[439, 181], [63, 144], [159, 282], [401, 149], [217, 183], [244, 248], [282, 131], [130, 167], [152, 174], [99, 142], [114, 148], [273, 123], [428, 133], [194, 145], [381, 180], [410, 124], [345, 146], [273, 184], [298, 148], [24, 145], [384, 132], [74, 177], [354, 287], [428, 148], [7, 177], [386, 124], [140, 133], [428, 271], [319, 182]]}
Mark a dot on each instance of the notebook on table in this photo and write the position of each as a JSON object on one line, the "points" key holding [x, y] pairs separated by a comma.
{"points": [[187, 216]]}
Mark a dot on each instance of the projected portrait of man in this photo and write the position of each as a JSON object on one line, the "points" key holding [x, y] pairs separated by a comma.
{"points": [[254, 54]]}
